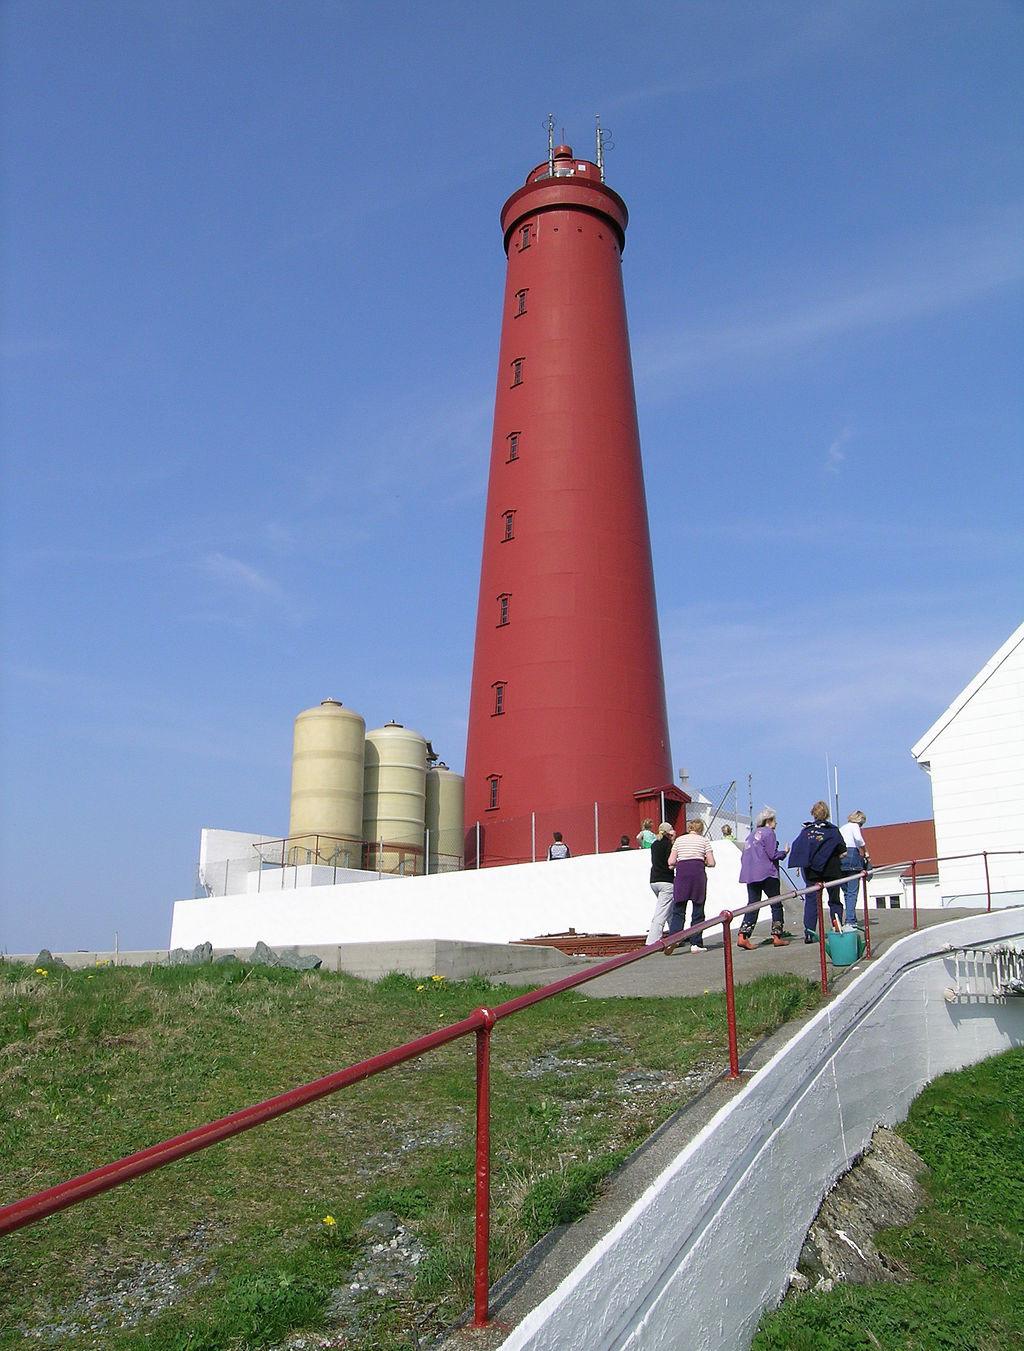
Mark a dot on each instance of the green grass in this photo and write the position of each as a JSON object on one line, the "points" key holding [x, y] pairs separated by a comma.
{"points": [[965, 1249], [99, 1063]]}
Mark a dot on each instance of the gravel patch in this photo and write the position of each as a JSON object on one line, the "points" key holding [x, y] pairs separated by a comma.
{"points": [[123, 1297]]}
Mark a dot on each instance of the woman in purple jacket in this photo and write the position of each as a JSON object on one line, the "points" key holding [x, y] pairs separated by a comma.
{"points": [[759, 868]]}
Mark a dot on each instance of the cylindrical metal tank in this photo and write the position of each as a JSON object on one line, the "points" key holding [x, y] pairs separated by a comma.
{"points": [[446, 793], [394, 797], [327, 785]]}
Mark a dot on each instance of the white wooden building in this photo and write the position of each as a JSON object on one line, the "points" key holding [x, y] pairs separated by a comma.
{"points": [[974, 754]]}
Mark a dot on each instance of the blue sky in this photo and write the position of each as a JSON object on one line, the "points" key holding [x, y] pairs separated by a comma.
{"points": [[252, 272]]}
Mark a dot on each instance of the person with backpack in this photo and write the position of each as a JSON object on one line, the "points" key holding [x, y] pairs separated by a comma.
{"points": [[818, 850], [558, 847]]}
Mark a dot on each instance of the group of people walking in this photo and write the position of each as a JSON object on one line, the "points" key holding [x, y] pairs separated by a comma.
{"points": [[825, 853]]}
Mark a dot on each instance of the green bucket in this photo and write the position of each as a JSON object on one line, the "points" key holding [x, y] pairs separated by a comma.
{"points": [[844, 948]]}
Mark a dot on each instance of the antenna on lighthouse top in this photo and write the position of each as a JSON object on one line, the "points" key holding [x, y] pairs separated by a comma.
{"points": [[551, 144], [604, 142]]}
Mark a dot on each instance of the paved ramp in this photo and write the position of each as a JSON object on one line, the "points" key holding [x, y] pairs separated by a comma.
{"points": [[685, 973]]}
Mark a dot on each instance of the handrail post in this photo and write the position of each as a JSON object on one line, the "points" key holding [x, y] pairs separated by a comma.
{"points": [[867, 918], [481, 1264], [913, 888], [730, 996], [821, 937], [988, 884]]}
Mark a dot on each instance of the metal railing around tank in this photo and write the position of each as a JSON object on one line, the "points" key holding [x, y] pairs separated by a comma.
{"points": [[479, 1024]]}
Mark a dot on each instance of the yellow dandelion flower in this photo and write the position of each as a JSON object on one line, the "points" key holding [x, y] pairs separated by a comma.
{"points": [[437, 978], [420, 987], [41, 971], [329, 1220]]}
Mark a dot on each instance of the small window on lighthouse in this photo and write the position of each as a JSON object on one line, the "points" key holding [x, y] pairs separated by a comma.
{"points": [[520, 304], [513, 446], [524, 237], [517, 370], [503, 609], [493, 783], [509, 519], [499, 698]]}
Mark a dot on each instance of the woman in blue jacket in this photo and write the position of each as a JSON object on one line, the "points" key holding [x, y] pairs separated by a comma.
{"points": [[818, 850]]}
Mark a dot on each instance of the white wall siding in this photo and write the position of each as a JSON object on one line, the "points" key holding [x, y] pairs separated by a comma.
{"points": [[977, 773]]}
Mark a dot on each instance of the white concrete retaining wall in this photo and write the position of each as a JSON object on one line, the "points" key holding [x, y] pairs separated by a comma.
{"points": [[712, 1241], [596, 893]]}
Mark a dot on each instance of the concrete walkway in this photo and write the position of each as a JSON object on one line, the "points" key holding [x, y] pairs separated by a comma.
{"points": [[686, 973]]}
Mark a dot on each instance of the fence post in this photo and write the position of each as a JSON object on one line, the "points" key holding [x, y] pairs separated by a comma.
{"points": [[478, 844], [730, 996], [867, 920], [821, 937], [988, 884], [913, 888], [533, 837], [481, 1264], [597, 848]]}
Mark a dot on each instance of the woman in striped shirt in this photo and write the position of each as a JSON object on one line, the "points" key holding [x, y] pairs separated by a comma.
{"points": [[691, 857]]}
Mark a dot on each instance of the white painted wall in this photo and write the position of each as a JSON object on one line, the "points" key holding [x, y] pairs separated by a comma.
{"points": [[711, 1242], [976, 757], [226, 858], [596, 893], [890, 882]]}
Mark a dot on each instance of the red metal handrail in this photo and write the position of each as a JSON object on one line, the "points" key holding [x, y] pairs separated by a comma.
{"points": [[480, 1022]]}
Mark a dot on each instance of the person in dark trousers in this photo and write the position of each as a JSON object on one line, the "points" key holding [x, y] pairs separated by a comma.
{"points": [[855, 859], [623, 844], [759, 869], [818, 850], [691, 857], [558, 847]]}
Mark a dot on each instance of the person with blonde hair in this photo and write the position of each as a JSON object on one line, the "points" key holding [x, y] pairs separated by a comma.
{"points": [[647, 836], [853, 861], [759, 869], [817, 850], [691, 857], [661, 880]]}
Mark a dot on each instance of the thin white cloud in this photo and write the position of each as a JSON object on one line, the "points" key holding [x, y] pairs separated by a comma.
{"points": [[788, 686], [835, 455], [931, 277], [817, 28], [239, 576]]}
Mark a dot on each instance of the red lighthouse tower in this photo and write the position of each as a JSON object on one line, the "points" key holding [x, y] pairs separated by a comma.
{"points": [[567, 707]]}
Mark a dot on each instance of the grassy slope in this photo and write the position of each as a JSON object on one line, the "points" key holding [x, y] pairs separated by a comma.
{"points": [[97, 1064], [965, 1250]]}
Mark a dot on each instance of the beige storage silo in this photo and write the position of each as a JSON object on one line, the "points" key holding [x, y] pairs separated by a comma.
{"points": [[327, 786], [446, 796], [394, 797]]}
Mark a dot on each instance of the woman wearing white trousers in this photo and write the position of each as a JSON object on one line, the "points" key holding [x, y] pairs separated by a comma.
{"points": [[662, 880]]}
